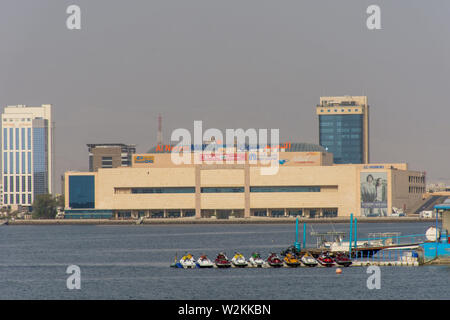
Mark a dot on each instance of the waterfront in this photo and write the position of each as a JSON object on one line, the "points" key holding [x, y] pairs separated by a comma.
{"points": [[132, 262]]}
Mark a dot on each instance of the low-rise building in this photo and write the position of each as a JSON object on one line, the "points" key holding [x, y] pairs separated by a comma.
{"points": [[304, 182]]}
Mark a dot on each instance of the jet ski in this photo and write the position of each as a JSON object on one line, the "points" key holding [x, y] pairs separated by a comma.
{"points": [[342, 259], [325, 260], [222, 261], [188, 261], [256, 260], [308, 260], [274, 261], [291, 260], [204, 262], [238, 260]]}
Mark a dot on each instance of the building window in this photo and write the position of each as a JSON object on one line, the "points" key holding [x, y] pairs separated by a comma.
{"points": [[107, 162], [23, 138], [29, 183], [222, 190], [11, 141], [5, 162], [23, 163], [285, 189], [5, 139], [29, 199], [23, 185], [164, 190], [17, 162], [5, 184], [11, 198], [17, 139], [5, 199], [29, 162], [11, 163], [29, 138]]}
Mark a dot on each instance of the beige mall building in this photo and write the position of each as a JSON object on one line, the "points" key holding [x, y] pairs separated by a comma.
{"points": [[303, 182]]}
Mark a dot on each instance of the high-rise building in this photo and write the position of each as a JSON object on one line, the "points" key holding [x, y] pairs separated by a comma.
{"points": [[27, 153], [110, 155], [344, 128]]}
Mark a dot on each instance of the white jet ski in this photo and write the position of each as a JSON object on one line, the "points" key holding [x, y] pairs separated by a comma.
{"points": [[256, 260], [204, 262], [238, 260], [308, 260], [188, 261]]}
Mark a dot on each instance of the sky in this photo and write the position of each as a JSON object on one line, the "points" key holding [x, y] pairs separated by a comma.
{"points": [[232, 64]]}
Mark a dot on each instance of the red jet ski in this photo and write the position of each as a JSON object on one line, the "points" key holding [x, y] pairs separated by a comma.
{"points": [[342, 259], [274, 261], [325, 260], [222, 261]]}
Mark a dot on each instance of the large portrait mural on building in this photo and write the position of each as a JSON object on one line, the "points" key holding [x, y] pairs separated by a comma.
{"points": [[374, 194]]}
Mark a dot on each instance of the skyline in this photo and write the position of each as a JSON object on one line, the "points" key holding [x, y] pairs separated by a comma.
{"points": [[211, 61]]}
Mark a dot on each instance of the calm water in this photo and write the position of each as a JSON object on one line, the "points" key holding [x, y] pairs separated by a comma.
{"points": [[132, 262]]}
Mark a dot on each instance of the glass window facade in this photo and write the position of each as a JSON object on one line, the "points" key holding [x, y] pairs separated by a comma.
{"points": [[342, 135], [81, 192], [40, 173]]}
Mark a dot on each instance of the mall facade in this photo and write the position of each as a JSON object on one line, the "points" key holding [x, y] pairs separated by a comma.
{"points": [[305, 182]]}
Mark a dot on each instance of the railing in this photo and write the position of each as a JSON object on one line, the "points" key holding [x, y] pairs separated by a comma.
{"points": [[385, 255], [399, 240]]}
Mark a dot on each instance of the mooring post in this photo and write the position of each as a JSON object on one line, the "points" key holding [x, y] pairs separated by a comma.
{"points": [[304, 235], [350, 235], [437, 214], [297, 245]]}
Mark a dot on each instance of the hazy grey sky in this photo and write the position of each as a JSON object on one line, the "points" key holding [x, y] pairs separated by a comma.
{"points": [[233, 64]]}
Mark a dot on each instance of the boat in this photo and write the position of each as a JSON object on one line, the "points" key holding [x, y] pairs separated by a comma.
{"points": [[188, 261], [238, 260], [291, 260], [204, 262], [222, 261], [308, 260], [325, 260], [274, 261], [256, 260], [342, 259]]}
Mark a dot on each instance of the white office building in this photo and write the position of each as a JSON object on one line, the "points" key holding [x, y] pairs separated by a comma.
{"points": [[27, 153]]}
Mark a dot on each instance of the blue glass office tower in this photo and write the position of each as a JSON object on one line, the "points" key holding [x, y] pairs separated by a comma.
{"points": [[27, 148], [344, 128]]}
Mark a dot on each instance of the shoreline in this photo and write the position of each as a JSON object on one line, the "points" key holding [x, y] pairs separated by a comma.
{"points": [[191, 220]]}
